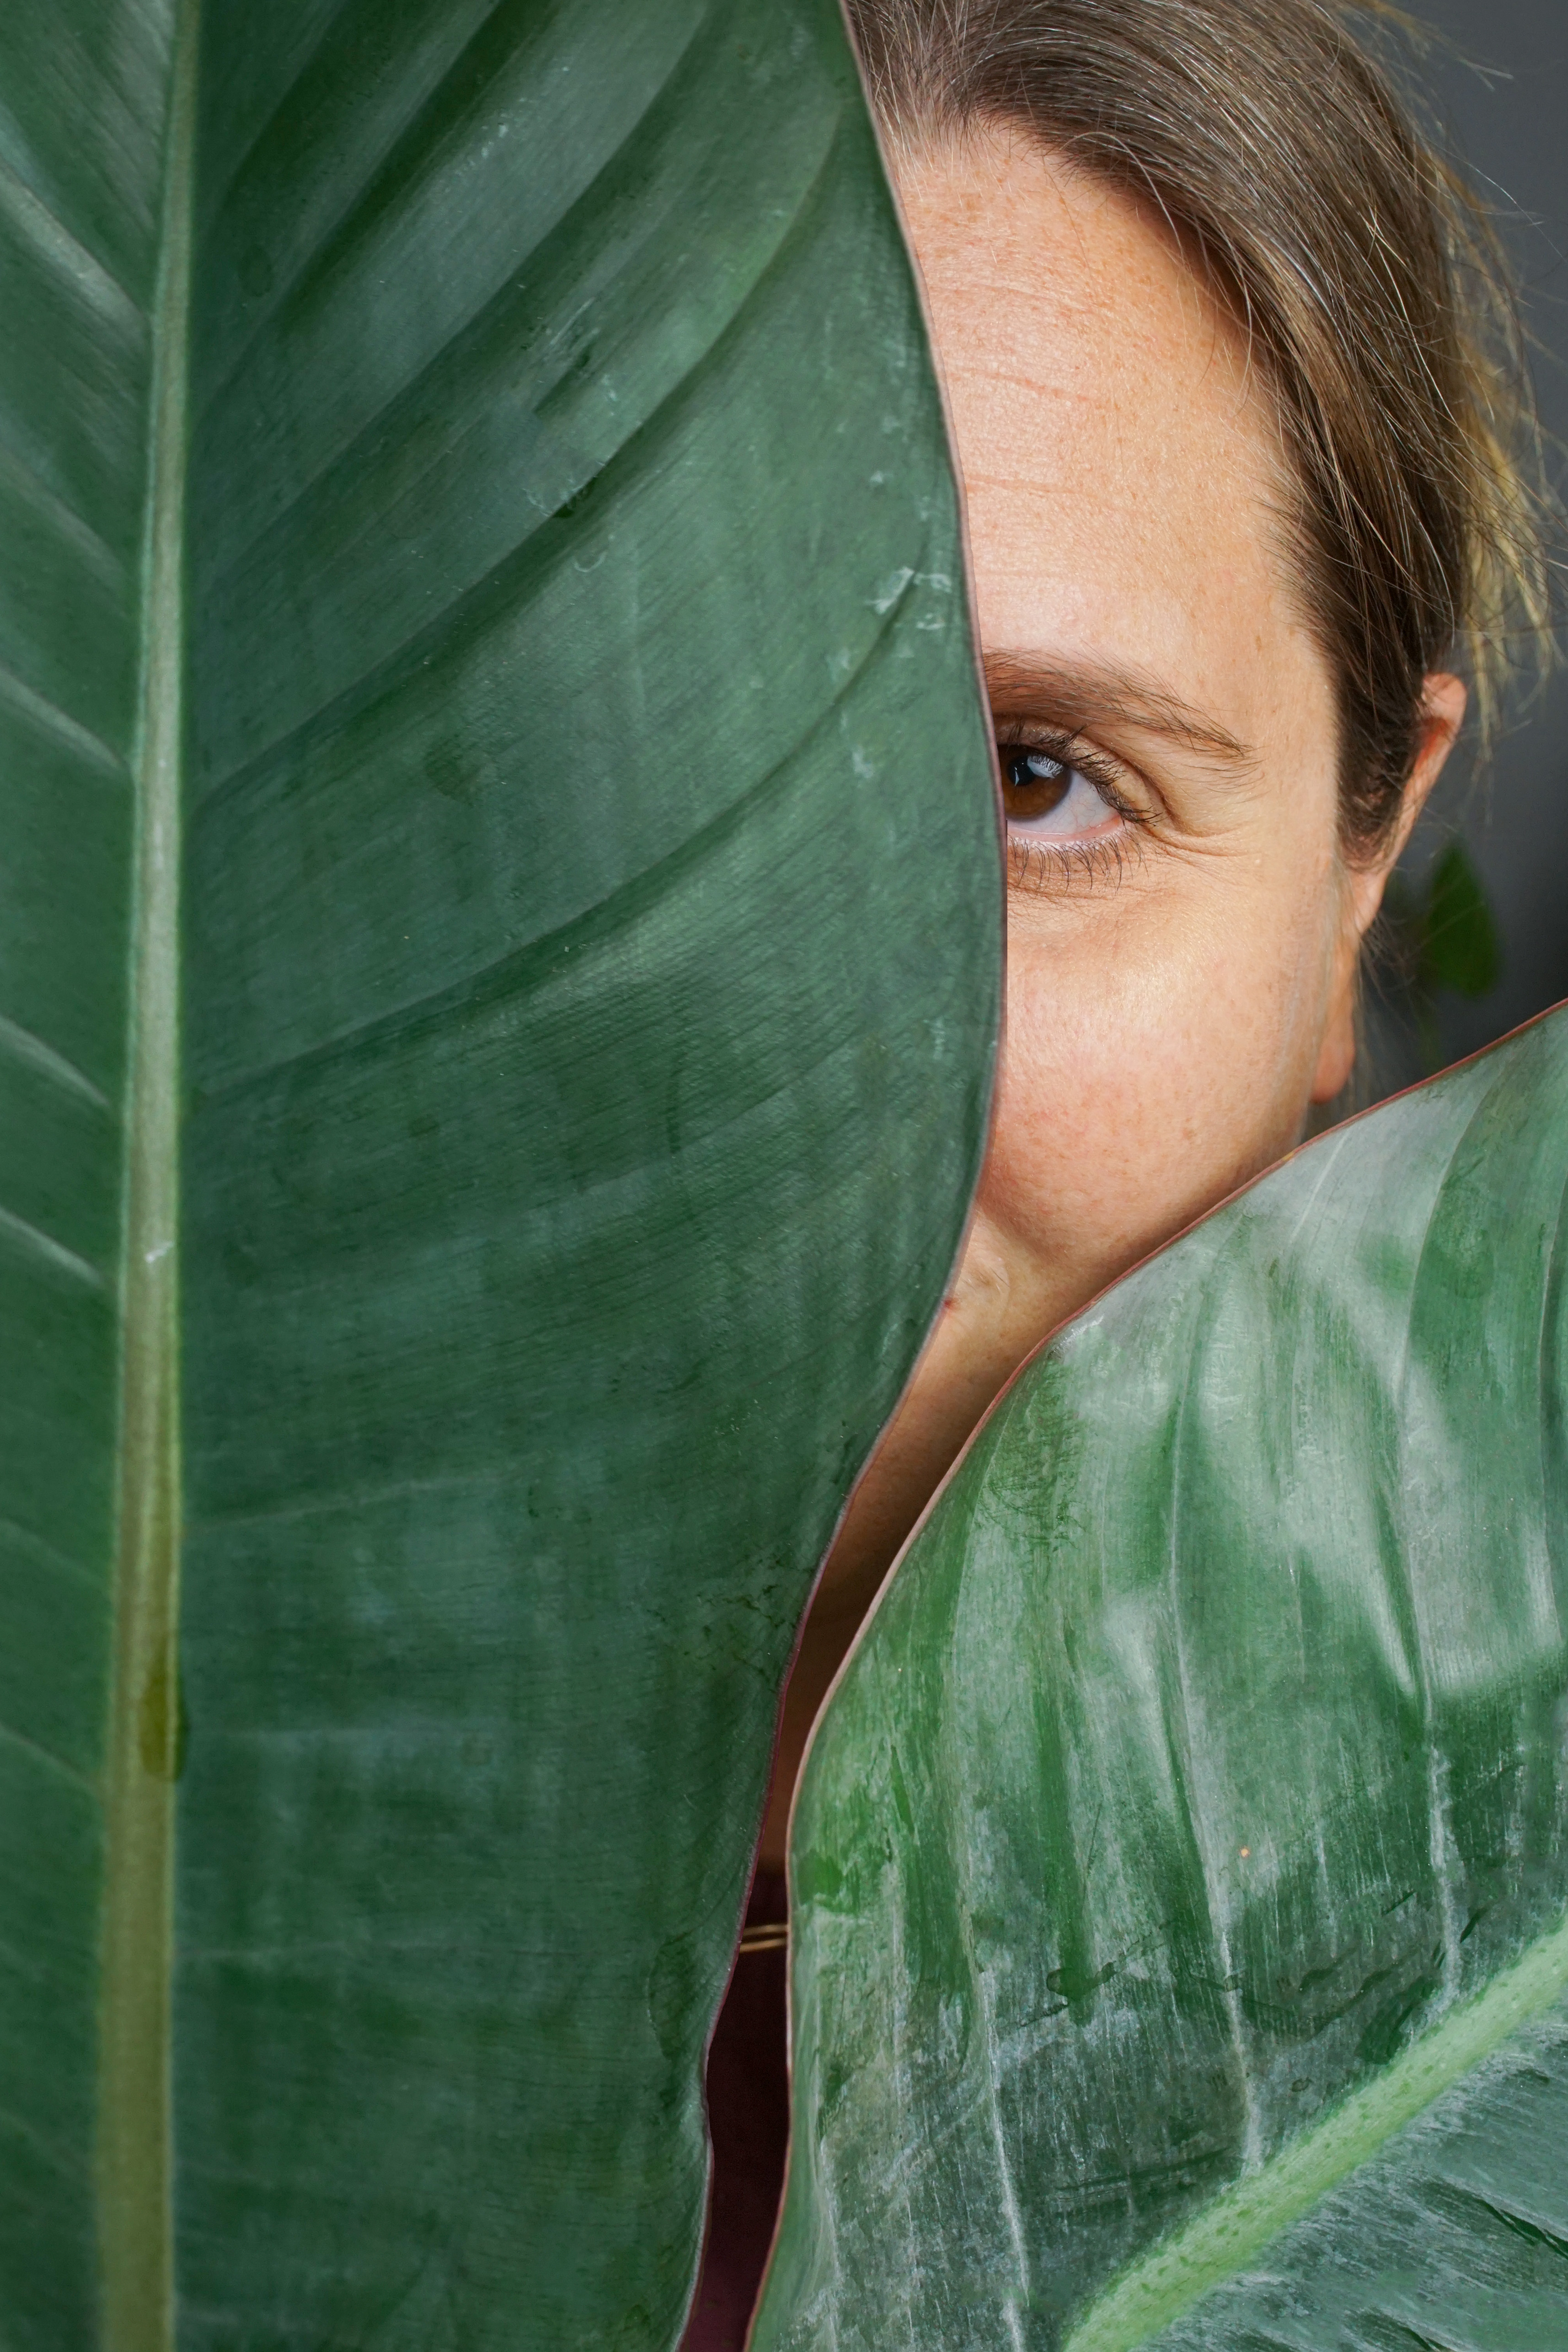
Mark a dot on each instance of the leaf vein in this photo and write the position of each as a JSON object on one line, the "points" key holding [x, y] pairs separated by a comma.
{"points": [[36, 1749], [63, 255], [33, 1242], [1222, 2241], [21, 1045], [525, 969], [425, 644], [53, 719]]}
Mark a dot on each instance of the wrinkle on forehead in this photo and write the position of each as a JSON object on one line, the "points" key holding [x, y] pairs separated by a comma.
{"points": [[997, 204], [1132, 506]]}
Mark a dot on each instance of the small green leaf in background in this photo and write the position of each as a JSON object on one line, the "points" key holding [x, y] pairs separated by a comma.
{"points": [[1459, 946], [1180, 1868], [498, 838], [1439, 934]]}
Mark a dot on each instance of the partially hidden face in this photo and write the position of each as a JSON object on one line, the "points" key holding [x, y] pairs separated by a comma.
{"points": [[1182, 927]]}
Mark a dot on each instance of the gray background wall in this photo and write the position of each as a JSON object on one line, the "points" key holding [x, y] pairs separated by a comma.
{"points": [[1504, 98]]}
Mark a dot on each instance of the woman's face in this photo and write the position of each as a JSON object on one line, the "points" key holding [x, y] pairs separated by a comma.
{"points": [[1182, 929]]}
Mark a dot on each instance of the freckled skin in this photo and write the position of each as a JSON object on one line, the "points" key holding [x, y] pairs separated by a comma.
{"points": [[1173, 1007]]}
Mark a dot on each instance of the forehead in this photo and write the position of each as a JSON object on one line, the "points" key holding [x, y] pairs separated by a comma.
{"points": [[1121, 458]]}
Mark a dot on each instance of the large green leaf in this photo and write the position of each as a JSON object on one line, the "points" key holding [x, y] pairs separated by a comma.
{"points": [[1180, 1868], [498, 857]]}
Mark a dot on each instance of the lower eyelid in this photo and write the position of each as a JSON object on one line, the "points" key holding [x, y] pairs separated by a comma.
{"points": [[1038, 863]]}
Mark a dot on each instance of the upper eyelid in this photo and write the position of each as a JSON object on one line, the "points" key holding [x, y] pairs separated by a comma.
{"points": [[1078, 696], [1072, 747], [1102, 769]]}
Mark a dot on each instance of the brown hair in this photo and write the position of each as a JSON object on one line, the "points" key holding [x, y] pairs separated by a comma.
{"points": [[1368, 281]]}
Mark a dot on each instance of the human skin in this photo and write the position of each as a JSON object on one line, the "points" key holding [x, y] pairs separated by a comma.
{"points": [[1184, 926]]}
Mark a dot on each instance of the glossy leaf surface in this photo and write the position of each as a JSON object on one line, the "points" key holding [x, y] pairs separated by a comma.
{"points": [[575, 784], [1181, 1864]]}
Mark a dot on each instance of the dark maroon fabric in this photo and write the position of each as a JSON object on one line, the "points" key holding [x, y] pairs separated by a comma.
{"points": [[748, 2117]]}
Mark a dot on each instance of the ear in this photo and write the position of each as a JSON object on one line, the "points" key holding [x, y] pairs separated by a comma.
{"points": [[1442, 716]]}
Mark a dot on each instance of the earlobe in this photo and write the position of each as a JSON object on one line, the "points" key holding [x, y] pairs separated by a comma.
{"points": [[1336, 1054]]}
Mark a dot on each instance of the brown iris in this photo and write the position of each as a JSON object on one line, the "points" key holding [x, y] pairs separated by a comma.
{"points": [[1034, 783]]}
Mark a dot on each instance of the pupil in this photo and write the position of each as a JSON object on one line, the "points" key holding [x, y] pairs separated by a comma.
{"points": [[1036, 783]]}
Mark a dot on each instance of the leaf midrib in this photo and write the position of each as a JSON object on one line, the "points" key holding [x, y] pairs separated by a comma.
{"points": [[1226, 2237], [135, 2247]]}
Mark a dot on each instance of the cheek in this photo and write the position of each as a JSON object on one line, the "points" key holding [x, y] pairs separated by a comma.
{"points": [[1153, 1063]]}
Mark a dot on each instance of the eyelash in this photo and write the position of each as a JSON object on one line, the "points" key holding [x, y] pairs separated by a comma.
{"points": [[1048, 865]]}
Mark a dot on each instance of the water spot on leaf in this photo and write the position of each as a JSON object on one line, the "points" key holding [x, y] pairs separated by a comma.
{"points": [[450, 773], [162, 1727]]}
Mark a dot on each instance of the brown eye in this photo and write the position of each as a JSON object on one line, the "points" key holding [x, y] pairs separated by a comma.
{"points": [[1034, 783], [1046, 798]]}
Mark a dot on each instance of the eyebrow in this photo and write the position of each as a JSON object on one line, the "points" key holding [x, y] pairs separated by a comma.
{"points": [[1078, 694]]}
